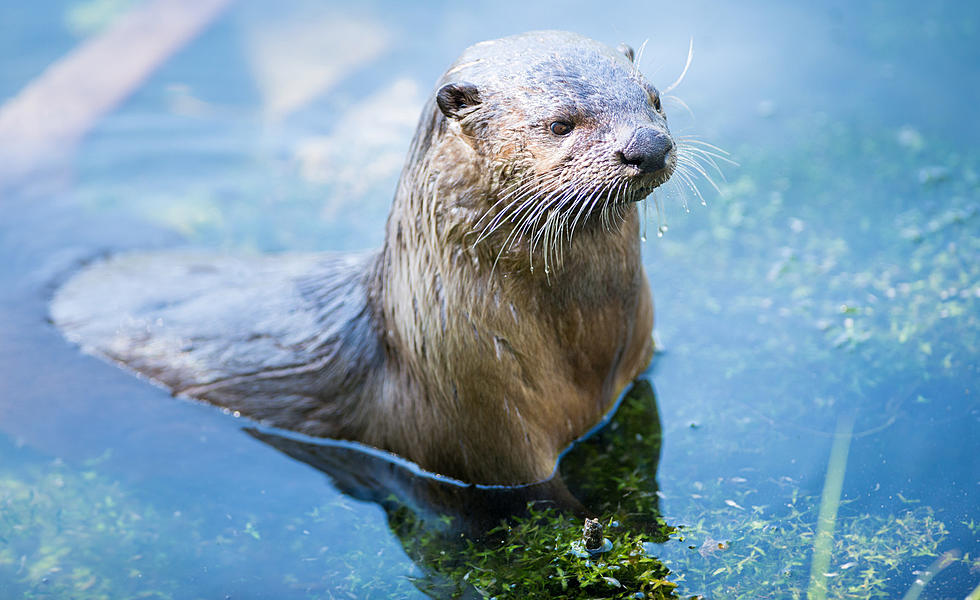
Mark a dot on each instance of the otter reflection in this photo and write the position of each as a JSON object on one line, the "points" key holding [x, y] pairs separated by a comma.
{"points": [[610, 473]]}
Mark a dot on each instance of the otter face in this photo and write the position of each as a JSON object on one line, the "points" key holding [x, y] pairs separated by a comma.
{"points": [[575, 130], [611, 137]]}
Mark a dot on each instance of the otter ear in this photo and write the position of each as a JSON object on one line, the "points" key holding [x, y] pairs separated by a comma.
{"points": [[456, 100], [627, 51]]}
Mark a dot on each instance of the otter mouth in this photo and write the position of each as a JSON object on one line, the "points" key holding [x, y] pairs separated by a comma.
{"points": [[645, 183], [546, 212]]}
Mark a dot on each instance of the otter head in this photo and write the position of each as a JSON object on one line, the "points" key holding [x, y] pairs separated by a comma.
{"points": [[544, 135]]}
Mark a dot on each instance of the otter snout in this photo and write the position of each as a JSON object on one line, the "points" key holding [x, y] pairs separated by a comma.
{"points": [[647, 149]]}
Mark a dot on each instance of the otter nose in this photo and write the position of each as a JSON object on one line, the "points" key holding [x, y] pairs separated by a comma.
{"points": [[647, 149]]}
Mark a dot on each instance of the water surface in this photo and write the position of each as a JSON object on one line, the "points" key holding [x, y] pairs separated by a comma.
{"points": [[833, 281]]}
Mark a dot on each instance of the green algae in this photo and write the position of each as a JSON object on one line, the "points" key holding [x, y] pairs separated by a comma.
{"points": [[534, 557], [68, 533], [855, 265], [756, 552]]}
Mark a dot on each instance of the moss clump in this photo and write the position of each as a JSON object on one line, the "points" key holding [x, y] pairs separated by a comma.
{"points": [[536, 557], [539, 554]]}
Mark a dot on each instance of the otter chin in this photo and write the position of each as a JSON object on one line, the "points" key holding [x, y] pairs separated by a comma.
{"points": [[506, 311]]}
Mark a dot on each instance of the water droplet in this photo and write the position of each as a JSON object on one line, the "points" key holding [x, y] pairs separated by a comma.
{"points": [[704, 202], [643, 238], [660, 233]]}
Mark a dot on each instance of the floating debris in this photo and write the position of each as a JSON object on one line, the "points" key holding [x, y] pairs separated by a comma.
{"points": [[933, 174], [592, 542], [909, 137], [711, 546], [592, 534]]}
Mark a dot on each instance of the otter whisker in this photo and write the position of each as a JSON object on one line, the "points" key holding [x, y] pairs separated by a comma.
{"points": [[687, 65], [684, 185], [604, 219], [530, 220], [661, 220], [552, 242], [524, 198], [564, 234], [545, 209], [639, 56], [515, 190], [550, 208], [706, 155], [686, 178], [677, 187], [606, 206], [673, 98], [534, 200], [581, 199], [596, 203], [525, 201], [521, 189], [646, 205], [619, 204], [693, 139], [690, 162], [540, 230], [582, 206], [535, 207], [561, 232], [693, 146], [503, 248], [704, 160]]}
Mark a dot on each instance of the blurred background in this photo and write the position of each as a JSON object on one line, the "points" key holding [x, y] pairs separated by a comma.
{"points": [[833, 277]]}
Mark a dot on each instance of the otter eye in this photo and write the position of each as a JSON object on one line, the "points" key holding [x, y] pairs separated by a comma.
{"points": [[654, 97], [561, 127]]}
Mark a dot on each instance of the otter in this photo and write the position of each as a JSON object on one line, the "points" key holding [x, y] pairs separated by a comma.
{"points": [[505, 313]]}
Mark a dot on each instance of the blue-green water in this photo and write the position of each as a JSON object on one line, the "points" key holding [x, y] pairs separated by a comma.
{"points": [[836, 276]]}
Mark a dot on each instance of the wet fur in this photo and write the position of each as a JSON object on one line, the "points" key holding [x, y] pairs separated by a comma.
{"points": [[477, 343]]}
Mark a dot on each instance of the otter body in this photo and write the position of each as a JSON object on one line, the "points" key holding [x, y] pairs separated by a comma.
{"points": [[506, 311]]}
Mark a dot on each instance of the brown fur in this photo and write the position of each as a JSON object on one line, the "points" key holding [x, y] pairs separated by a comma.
{"points": [[475, 348]]}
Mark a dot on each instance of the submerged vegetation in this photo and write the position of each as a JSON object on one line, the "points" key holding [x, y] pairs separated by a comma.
{"points": [[539, 556], [69, 532], [753, 551]]}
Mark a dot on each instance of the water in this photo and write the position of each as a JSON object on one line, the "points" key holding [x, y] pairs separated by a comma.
{"points": [[834, 280]]}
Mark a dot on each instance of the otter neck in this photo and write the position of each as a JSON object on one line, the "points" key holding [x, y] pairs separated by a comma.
{"points": [[534, 355], [442, 291], [489, 353]]}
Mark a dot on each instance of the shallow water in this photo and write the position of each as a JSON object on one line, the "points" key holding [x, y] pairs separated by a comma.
{"points": [[833, 282]]}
